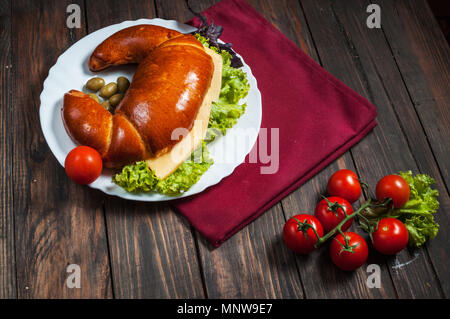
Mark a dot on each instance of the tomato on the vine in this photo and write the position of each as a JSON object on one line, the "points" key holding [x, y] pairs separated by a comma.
{"points": [[350, 253], [395, 187], [329, 212], [83, 164], [390, 236], [344, 183], [299, 236]]}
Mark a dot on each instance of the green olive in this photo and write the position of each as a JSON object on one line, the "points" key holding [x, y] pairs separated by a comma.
{"points": [[115, 99], [95, 84], [106, 105], [94, 97], [122, 84], [108, 90]]}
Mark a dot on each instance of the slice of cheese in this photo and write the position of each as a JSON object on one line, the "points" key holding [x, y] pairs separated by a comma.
{"points": [[167, 163]]}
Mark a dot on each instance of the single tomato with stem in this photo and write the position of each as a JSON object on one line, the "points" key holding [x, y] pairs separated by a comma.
{"points": [[348, 251], [301, 232], [330, 211]]}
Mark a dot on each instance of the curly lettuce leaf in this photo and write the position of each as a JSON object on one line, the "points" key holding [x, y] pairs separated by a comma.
{"points": [[418, 212], [234, 82], [420, 229], [139, 177], [224, 115], [186, 175], [235, 86], [422, 199], [136, 178]]}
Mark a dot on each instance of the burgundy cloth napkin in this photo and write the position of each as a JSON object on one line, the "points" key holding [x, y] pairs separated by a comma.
{"points": [[318, 117]]}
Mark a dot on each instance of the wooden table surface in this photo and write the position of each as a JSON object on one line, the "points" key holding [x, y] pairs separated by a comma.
{"points": [[140, 250]]}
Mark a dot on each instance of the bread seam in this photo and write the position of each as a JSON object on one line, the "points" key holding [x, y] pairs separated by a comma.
{"points": [[146, 148]]}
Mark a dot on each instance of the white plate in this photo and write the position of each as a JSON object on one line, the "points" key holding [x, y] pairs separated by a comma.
{"points": [[71, 72]]}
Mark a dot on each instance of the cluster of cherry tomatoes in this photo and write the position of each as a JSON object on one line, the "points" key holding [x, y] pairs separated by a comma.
{"points": [[303, 233]]}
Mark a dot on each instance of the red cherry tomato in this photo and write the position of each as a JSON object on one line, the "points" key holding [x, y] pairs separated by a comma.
{"points": [[330, 215], [301, 239], [348, 258], [344, 183], [83, 165], [390, 237], [395, 187]]}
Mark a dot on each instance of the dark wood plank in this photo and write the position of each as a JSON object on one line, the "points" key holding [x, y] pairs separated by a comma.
{"points": [[153, 253], [253, 263], [320, 278], [56, 221], [7, 253], [177, 10], [422, 55], [390, 77], [344, 52], [422, 103]]}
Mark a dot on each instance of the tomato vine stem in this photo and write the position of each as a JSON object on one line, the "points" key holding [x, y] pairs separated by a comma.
{"points": [[304, 226], [331, 233], [338, 228], [333, 207]]}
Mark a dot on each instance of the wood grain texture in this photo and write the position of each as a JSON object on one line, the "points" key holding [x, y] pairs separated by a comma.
{"points": [[177, 10], [56, 221], [426, 124], [153, 254], [344, 53], [7, 253], [391, 79], [320, 278], [422, 56], [254, 263]]}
